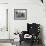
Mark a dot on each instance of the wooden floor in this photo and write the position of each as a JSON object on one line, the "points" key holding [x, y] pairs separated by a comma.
{"points": [[6, 40]]}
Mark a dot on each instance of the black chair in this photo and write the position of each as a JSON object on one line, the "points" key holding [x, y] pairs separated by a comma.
{"points": [[32, 29]]}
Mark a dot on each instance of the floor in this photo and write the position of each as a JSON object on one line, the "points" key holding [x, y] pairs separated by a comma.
{"points": [[5, 44], [22, 44], [27, 44]]}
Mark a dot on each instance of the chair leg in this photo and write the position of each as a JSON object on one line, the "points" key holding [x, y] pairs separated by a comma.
{"points": [[32, 42], [20, 42]]}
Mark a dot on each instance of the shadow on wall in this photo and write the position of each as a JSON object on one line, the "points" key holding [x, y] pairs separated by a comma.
{"points": [[41, 34]]}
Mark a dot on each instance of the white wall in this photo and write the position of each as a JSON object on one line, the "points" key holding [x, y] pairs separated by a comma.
{"points": [[35, 14], [3, 1], [3, 21], [3, 34]]}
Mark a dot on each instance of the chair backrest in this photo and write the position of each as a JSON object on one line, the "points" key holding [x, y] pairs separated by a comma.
{"points": [[33, 28]]}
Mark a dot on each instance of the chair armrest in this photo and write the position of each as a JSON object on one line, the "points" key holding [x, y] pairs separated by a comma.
{"points": [[24, 32], [22, 35]]}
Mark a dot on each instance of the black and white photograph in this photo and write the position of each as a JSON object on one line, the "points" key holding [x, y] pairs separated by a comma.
{"points": [[22, 22], [20, 14]]}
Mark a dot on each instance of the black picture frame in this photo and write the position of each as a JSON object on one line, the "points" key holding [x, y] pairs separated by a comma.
{"points": [[20, 14]]}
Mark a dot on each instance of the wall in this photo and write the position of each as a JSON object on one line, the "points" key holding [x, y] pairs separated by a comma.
{"points": [[3, 1], [3, 21], [35, 14], [3, 34]]}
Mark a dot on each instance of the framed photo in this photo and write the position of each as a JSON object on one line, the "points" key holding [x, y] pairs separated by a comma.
{"points": [[20, 14]]}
